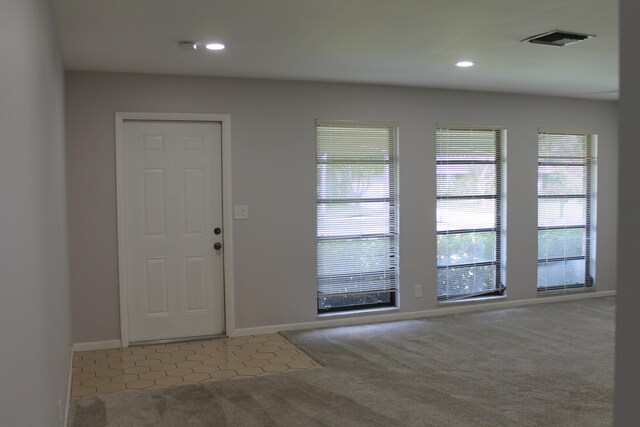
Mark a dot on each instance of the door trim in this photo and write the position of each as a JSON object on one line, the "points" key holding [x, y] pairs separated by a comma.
{"points": [[227, 217]]}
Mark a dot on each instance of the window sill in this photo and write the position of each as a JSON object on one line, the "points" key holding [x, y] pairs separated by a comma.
{"points": [[556, 292], [353, 313], [473, 300]]}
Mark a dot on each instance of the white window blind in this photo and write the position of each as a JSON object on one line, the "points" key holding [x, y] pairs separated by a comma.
{"points": [[566, 173], [357, 233], [469, 206]]}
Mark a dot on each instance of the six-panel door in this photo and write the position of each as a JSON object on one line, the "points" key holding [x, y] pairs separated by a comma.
{"points": [[173, 203]]}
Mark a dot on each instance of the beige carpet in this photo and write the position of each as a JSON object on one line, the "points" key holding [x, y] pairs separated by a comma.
{"points": [[544, 365]]}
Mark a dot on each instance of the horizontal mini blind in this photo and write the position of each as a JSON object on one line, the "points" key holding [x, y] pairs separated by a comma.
{"points": [[565, 213], [357, 245], [469, 183]]}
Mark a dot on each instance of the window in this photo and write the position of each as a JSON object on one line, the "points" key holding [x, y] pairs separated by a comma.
{"points": [[357, 230], [566, 177], [469, 211]]}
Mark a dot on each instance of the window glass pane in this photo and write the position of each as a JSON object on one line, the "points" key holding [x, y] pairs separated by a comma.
{"points": [[561, 212], [353, 181], [466, 214], [355, 256], [561, 180], [561, 243], [343, 143], [353, 219], [561, 273], [466, 248], [352, 301], [466, 179], [465, 144], [353, 284], [562, 147], [457, 281]]}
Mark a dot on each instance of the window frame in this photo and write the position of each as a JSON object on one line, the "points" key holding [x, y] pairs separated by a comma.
{"points": [[500, 137], [393, 218], [589, 195]]}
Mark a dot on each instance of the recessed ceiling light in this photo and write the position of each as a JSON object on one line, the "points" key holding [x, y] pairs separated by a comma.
{"points": [[465, 64], [215, 46]]}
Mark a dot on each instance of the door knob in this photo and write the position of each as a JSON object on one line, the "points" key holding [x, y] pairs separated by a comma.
{"points": [[217, 246], [217, 230]]}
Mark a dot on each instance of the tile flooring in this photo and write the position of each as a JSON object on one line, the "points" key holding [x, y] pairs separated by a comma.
{"points": [[166, 365]]}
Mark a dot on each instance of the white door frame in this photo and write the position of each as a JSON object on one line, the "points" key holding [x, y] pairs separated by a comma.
{"points": [[227, 217]]}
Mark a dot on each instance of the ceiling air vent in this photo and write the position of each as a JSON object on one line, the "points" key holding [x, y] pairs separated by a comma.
{"points": [[558, 38]]}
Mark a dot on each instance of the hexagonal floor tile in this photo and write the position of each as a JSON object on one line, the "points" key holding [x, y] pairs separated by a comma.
{"points": [[224, 373], [93, 382], [124, 378], [111, 388], [196, 377], [205, 369], [140, 384], [275, 368], [250, 371], [190, 364], [167, 365], [256, 363], [82, 391], [152, 375], [169, 381], [179, 372]]}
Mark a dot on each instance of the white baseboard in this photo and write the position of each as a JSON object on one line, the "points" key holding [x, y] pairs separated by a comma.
{"points": [[96, 345], [65, 422], [442, 311], [377, 317]]}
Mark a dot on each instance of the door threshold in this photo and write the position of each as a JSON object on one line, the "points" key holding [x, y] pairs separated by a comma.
{"points": [[174, 340]]}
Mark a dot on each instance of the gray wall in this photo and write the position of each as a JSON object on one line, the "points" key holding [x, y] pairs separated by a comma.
{"points": [[627, 389], [273, 150], [35, 326]]}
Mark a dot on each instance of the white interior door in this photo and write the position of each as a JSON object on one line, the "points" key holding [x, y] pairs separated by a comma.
{"points": [[173, 219]]}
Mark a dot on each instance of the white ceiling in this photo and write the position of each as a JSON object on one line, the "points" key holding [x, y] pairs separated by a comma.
{"points": [[397, 42]]}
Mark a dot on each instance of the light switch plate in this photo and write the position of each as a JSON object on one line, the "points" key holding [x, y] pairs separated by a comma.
{"points": [[418, 291], [241, 212]]}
